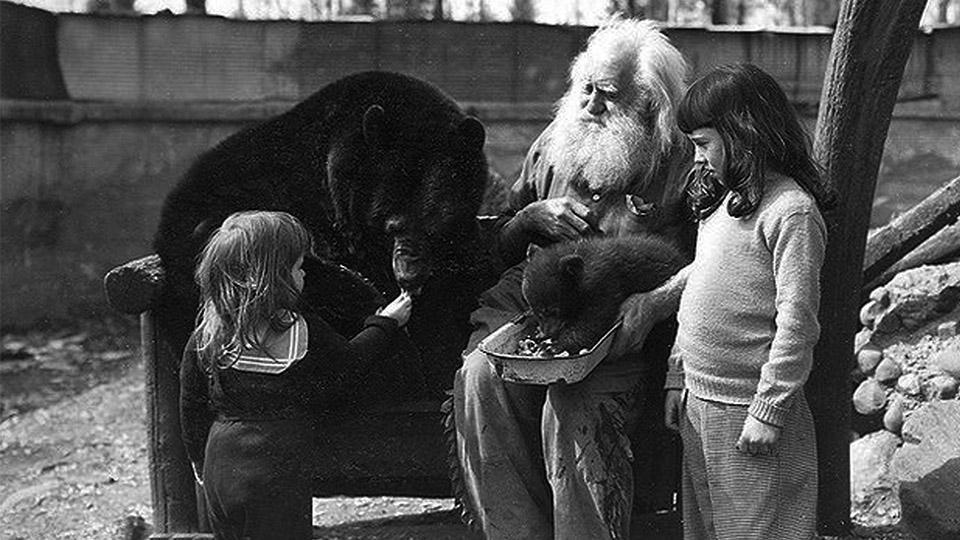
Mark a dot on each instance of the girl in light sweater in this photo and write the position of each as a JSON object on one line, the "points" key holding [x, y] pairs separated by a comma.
{"points": [[747, 311]]}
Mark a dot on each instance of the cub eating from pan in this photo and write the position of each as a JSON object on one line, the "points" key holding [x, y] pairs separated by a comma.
{"points": [[575, 289]]}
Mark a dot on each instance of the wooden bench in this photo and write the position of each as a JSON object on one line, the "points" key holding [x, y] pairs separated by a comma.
{"points": [[394, 449]]}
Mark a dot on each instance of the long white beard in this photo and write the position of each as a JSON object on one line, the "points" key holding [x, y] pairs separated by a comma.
{"points": [[607, 155]]}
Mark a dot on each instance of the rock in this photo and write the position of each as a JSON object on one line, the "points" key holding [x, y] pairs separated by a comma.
{"points": [[893, 418], [911, 323], [869, 313], [947, 330], [881, 296], [930, 438], [948, 298], [861, 340], [873, 495], [888, 370], [15, 350], [921, 294], [869, 397], [930, 508], [909, 384], [949, 361], [928, 467], [868, 358], [887, 323], [134, 527], [857, 376], [941, 387]]}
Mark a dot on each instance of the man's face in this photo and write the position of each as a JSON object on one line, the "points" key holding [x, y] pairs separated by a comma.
{"points": [[601, 93], [708, 151], [601, 140]]}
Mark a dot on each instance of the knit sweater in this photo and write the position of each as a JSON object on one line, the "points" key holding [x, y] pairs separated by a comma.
{"points": [[748, 312]]}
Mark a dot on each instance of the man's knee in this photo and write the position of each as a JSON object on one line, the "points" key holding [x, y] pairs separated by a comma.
{"points": [[475, 373]]}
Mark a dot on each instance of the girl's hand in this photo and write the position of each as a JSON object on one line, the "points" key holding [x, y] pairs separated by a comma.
{"points": [[672, 409], [399, 309], [758, 438], [638, 315]]}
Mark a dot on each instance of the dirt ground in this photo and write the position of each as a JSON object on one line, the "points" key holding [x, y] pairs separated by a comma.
{"points": [[73, 454]]}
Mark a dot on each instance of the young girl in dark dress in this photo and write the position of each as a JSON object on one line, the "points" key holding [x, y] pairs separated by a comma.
{"points": [[254, 368]]}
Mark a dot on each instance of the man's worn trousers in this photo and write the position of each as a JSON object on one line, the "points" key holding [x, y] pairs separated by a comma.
{"points": [[544, 461]]}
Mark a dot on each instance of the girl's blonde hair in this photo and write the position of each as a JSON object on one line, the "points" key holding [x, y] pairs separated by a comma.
{"points": [[246, 282]]}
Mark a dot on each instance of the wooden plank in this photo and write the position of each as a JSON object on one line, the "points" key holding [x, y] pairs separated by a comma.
{"points": [[894, 241], [939, 248], [870, 48], [171, 479]]}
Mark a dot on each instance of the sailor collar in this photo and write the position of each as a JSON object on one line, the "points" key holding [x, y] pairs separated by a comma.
{"points": [[281, 353]]}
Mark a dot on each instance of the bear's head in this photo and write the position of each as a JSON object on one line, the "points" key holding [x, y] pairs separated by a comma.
{"points": [[406, 188]]}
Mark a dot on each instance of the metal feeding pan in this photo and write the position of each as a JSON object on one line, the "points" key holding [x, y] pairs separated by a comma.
{"points": [[500, 348]]}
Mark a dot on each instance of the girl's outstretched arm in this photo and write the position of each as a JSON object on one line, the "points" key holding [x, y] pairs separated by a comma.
{"points": [[641, 311]]}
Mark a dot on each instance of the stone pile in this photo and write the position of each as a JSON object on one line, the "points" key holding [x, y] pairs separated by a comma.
{"points": [[908, 372]]}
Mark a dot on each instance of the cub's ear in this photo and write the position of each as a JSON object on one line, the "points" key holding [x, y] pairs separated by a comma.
{"points": [[471, 133], [572, 266], [532, 250], [373, 126]]}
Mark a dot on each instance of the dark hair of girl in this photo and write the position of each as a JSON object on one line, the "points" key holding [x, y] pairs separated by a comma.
{"points": [[760, 132]]}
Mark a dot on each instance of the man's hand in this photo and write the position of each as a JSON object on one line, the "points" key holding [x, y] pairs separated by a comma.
{"points": [[557, 219], [672, 409], [758, 438]]}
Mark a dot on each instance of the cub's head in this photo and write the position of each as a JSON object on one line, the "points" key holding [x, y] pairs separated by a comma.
{"points": [[552, 286]]}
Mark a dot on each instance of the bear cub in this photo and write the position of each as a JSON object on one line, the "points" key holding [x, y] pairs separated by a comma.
{"points": [[575, 289]]}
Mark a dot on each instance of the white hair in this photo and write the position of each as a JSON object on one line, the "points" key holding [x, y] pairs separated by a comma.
{"points": [[658, 68]]}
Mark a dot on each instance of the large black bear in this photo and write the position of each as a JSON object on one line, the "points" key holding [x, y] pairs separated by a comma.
{"points": [[386, 171]]}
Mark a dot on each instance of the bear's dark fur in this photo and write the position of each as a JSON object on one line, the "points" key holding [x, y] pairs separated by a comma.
{"points": [[388, 174], [575, 289]]}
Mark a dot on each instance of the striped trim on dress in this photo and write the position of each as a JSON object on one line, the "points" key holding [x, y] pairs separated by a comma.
{"points": [[281, 353]]}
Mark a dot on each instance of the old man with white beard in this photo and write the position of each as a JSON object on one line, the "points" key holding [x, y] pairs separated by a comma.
{"points": [[554, 462]]}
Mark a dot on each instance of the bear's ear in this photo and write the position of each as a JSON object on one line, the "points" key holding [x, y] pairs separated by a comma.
{"points": [[373, 126], [471, 133], [532, 250], [572, 266], [204, 229]]}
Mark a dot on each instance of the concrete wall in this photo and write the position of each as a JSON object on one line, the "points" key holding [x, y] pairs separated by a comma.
{"points": [[196, 58], [83, 175]]}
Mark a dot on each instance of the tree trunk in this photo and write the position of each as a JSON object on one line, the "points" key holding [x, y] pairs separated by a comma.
{"points": [[942, 10], [658, 10], [718, 12], [822, 12], [870, 48], [438, 10], [197, 6]]}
